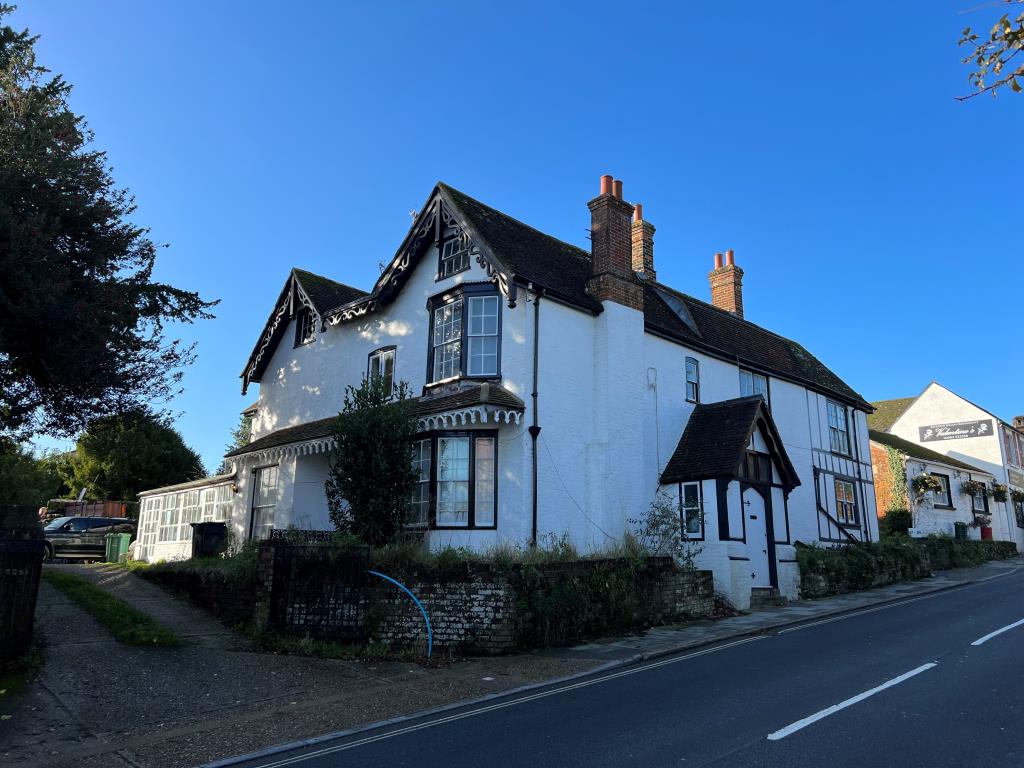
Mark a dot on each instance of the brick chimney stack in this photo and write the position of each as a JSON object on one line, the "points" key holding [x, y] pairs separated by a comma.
{"points": [[727, 284], [643, 244], [611, 250]]}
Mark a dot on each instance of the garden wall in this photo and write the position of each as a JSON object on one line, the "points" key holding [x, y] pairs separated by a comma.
{"points": [[850, 568]]}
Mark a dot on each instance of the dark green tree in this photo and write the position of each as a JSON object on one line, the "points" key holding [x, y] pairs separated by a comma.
{"points": [[82, 323], [119, 456], [370, 483], [25, 478], [241, 436]]}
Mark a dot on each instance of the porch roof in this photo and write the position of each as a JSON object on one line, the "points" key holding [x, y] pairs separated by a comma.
{"points": [[202, 482], [716, 437]]}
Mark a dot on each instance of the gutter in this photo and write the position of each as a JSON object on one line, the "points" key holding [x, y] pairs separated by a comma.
{"points": [[535, 426]]}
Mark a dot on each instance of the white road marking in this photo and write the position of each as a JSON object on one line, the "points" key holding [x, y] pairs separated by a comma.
{"points": [[800, 724], [501, 705], [990, 635]]}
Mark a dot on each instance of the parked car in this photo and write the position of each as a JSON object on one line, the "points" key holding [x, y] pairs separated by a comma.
{"points": [[83, 537]]}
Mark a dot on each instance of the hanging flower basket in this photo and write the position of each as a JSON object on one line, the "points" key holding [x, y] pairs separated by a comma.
{"points": [[971, 487], [925, 483], [1017, 496], [999, 492], [980, 520]]}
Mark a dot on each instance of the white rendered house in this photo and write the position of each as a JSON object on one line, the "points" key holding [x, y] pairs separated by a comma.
{"points": [[949, 424], [564, 389]]}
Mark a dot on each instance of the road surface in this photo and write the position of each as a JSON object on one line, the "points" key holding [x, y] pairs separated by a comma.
{"points": [[933, 681]]}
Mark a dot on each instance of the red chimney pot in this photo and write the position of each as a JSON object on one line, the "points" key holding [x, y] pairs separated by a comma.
{"points": [[638, 212], [718, 261], [730, 259], [606, 184], [617, 186]]}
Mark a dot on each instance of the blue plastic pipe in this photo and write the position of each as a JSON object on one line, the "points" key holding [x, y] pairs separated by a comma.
{"points": [[430, 632]]}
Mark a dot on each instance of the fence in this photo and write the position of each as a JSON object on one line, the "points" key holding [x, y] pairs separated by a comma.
{"points": [[21, 561]]}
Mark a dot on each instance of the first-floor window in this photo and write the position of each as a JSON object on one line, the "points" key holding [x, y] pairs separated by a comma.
{"points": [[456, 480], [838, 429], [690, 509], [753, 384], [846, 503], [382, 365], [447, 340], [264, 501], [942, 496], [305, 327], [979, 501], [692, 380]]}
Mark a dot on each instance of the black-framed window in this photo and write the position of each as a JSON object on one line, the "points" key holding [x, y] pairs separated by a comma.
{"points": [[454, 257], [381, 363], [465, 333], [753, 384], [457, 480], [691, 510], [838, 428], [692, 380], [305, 327], [846, 502], [1018, 511], [942, 497], [979, 501]]}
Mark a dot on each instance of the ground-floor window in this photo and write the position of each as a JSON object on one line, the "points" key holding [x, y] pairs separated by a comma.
{"points": [[216, 504], [264, 502], [691, 510], [1018, 509], [456, 480], [846, 502]]}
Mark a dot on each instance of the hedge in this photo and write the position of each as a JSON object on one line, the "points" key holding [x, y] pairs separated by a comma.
{"points": [[895, 558]]}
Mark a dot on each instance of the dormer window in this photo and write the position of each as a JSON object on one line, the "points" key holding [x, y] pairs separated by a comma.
{"points": [[465, 334], [305, 327], [454, 257]]}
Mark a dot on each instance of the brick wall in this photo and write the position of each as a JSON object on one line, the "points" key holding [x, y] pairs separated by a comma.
{"points": [[727, 289], [883, 478]]}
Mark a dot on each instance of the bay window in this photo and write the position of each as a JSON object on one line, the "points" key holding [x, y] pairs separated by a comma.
{"points": [[456, 480], [465, 333]]}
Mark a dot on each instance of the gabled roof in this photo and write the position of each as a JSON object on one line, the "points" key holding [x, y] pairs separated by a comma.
{"points": [[705, 326], [326, 294], [920, 452], [887, 412], [715, 440]]}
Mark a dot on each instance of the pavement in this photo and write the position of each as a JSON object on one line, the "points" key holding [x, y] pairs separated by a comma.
{"points": [[933, 679], [100, 703]]}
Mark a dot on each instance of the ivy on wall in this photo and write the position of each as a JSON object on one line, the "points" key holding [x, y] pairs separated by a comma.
{"points": [[900, 498]]}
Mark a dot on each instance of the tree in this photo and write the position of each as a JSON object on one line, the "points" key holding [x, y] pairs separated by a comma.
{"points": [[241, 436], [992, 55], [370, 482], [25, 478], [82, 323], [118, 456]]}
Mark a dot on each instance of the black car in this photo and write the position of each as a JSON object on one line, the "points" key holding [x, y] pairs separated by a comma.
{"points": [[83, 537]]}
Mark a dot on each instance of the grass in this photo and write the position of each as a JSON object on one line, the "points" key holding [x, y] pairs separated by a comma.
{"points": [[15, 674], [127, 624]]}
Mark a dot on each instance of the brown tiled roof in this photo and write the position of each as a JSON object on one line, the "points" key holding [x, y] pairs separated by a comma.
{"points": [[715, 440], [326, 294], [919, 452], [888, 411], [703, 325], [468, 396]]}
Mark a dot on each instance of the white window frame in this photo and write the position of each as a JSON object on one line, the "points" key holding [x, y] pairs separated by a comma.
{"points": [[262, 515], [748, 384], [381, 362], [482, 328], [943, 498], [453, 257], [305, 327], [846, 504], [446, 340], [838, 428], [419, 505], [692, 380], [693, 511]]}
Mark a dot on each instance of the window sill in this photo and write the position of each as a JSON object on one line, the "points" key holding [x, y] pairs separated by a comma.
{"points": [[462, 377], [946, 507]]}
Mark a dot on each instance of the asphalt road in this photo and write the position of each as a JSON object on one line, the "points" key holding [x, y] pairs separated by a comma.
{"points": [[898, 685]]}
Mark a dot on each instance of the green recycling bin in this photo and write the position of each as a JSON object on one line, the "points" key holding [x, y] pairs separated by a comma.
{"points": [[117, 545]]}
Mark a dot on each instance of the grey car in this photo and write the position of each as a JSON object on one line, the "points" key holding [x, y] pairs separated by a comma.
{"points": [[83, 538]]}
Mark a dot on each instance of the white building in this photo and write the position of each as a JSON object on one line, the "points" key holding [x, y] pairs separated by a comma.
{"points": [[564, 389], [945, 422], [936, 511]]}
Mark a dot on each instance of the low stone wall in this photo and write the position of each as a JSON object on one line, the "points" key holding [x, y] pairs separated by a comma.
{"points": [[230, 600], [473, 608], [855, 567]]}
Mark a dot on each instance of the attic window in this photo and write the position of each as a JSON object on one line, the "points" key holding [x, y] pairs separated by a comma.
{"points": [[305, 327], [454, 257]]}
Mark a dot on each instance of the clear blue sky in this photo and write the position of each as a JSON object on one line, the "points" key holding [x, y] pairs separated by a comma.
{"points": [[878, 220]]}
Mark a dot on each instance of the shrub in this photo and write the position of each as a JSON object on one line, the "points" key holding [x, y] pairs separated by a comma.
{"points": [[895, 522]]}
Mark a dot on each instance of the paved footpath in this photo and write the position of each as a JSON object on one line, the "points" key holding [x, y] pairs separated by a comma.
{"points": [[100, 703]]}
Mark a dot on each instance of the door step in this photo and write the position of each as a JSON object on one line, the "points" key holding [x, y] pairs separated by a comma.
{"points": [[766, 597]]}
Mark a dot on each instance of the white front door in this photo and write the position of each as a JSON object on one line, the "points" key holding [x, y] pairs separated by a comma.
{"points": [[757, 538]]}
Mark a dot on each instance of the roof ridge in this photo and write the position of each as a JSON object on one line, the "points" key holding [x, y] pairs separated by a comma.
{"points": [[583, 254], [330, 279]]}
